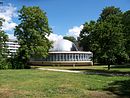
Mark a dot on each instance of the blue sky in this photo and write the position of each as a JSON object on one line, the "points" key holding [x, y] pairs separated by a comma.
{"points": [[66, 15]]}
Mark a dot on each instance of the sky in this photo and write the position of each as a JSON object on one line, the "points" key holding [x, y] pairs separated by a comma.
{"points": [[65, 17]]}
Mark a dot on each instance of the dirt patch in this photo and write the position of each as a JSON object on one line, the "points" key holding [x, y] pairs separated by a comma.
{"points": [[11, 93], [6, 92], [101, 94]]}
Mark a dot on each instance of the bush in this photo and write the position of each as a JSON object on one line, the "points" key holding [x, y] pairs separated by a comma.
{"points": [[12, 63], [17, 63], [4, 64]]}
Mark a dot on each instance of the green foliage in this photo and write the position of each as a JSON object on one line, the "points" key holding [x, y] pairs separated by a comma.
{"points": [[109, 11], [126, 30], [3, 39], [86, 35], [70, 38], [111, 42], [32, 34], [4, 64], [105, 37], [17, 63]]}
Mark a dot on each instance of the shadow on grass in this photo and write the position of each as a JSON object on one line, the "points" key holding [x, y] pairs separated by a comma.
{"points": [[121, 66], [103, 72], [121, 88]]}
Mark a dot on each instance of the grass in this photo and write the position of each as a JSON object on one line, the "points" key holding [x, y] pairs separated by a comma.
{"points": [[33, 83], [120, 68]]}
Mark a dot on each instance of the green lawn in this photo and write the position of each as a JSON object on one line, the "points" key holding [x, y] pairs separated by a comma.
{"points": [[120, 68], [33, 83]]}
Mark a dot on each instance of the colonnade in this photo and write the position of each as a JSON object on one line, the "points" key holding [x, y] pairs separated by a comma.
{"points": [[68, 57]]}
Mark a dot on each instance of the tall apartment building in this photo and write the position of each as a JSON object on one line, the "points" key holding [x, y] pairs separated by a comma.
{"points": [[12, 46]]}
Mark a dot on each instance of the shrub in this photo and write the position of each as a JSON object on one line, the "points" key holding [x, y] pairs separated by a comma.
{"points": [[4, 64]]}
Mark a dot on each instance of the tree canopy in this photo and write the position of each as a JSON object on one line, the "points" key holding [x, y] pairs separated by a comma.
{"points": [[3, 39], [32, 33], [108, 12], [105, 37], [126, 30], [70, 38], [3, 48]]}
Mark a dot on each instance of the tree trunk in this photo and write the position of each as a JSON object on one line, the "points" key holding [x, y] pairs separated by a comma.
{"points": [[108, 66]]}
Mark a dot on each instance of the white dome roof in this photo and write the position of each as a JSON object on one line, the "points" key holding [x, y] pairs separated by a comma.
{"points": [[63, 45]]}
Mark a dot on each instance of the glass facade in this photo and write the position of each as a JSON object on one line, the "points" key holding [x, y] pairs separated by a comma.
{"points": [[68, 57], [12, 47]]}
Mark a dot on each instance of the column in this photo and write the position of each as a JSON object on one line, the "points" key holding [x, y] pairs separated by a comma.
{"points": [[59, 56]]}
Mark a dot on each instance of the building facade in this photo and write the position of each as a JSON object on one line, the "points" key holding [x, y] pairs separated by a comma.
{"points": [[64, 52], [12, 47]]}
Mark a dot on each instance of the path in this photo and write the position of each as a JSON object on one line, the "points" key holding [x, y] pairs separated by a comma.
{"points": [[71, 71], [85, 72]]}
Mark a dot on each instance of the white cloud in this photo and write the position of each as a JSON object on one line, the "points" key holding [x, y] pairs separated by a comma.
{"points": [[7, 26], [8, 13], [75, 31], [55, 37], [11, 36]]}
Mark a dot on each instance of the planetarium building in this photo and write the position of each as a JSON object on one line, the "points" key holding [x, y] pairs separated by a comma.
{"points": [[64, 52]]}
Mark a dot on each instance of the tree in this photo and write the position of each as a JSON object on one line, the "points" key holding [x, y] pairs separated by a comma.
{"points": [[3, 50], [126, 30], [32, 33], [3, 39], [114, 15], [70, 38], [85, 39], [105, 38], [111, 43], [109, 11]]}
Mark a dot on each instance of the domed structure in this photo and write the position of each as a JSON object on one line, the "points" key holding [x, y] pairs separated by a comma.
{"points": [[63, 45], [64, 52]]}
